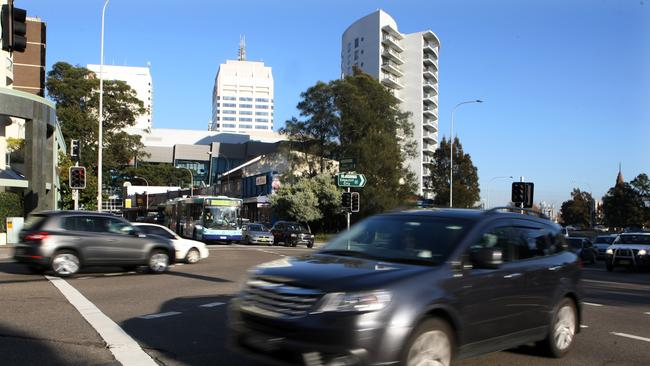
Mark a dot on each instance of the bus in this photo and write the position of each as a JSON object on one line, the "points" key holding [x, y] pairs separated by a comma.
{"points": [[205, 218]]}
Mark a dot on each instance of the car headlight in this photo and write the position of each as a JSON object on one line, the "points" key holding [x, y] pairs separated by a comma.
{"points": [[293, 235], [312, 236], [609, 251], [642, 252], [357, 301]]}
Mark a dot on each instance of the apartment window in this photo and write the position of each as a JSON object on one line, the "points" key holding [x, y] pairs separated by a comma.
{"points": [[231, 105], [245, 119], [261, 99], [229, 119], [248, 113], [261, 106], [229, 125], [362, 52], [261, 119], [356, 42], [229, 111], [361, 39], [261, 127], [356, 55], [245, 106], [218, 97], [362, 64], [245, 126], [229, 98], [261, 113], [245, 99]]}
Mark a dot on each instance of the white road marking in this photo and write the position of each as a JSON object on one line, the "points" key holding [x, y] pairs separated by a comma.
{"points": [[126, 350], [159, 315], [647, 313], [631, 336], [583, 326], [212, 304], [591, 304], [266, 251]]}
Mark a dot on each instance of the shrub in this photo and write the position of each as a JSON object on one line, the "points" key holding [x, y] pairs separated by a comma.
{"points": [[11, 205]]}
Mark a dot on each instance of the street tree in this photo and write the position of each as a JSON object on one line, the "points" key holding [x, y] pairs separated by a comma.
{"points": [[155, 174], [623, 206], [641, 184], [466, 187], [576, 211]]}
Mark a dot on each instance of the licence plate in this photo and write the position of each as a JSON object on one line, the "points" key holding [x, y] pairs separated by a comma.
{"points": [[624, 261], [223, 237]]}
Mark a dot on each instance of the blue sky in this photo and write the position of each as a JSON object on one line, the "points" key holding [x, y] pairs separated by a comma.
{"points": [[566, 83]]}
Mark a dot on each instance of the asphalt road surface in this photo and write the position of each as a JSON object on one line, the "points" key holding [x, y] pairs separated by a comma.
{"points": [[179, 318]]}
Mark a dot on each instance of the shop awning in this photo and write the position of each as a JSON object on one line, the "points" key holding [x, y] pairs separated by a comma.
{"points": [[9, 178]]}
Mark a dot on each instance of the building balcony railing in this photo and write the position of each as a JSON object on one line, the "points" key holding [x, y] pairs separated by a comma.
{"points": [[393, 42], [430, 124], [392, 67], [430, 61], [430, 99], [431, 87], [429, 136], [431, 112], [392, 31], [391, 81], [429, 148], [430, 73], [432, 48], [392, 55]]}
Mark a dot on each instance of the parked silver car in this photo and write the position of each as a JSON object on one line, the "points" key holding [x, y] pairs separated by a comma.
{"points": [[253, 233]]}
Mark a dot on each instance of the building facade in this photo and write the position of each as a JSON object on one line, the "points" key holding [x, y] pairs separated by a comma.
{"points": [[29, 66], [407, 64], [242, 97], [139, 79]]}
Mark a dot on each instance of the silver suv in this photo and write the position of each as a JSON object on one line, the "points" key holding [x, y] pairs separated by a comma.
{"points": [[66, 241]]}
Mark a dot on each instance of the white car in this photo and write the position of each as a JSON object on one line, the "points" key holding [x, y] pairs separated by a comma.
{"points": [[190, 251]]}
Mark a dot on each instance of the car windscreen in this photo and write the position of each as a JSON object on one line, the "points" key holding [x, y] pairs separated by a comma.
{"points": [[256, 228], [604, 240], [223, 218], [427, 240], [34, 222], [296, 227], [633, 239]]}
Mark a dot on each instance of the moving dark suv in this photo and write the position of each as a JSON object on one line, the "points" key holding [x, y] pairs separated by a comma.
{"points": [[415, 288], [291, 234], [65, 241]]}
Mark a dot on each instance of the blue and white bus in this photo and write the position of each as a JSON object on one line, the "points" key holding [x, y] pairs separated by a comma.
{"points": [[209, 218]]}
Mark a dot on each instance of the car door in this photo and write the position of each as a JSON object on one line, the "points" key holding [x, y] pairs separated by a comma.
{"points": [[492, 300], [81, 233], [121, 240]]}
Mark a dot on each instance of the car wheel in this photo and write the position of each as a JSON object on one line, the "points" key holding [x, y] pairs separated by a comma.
{"points": [[192, 256], [431, 344], [158, 261], [563, 329], [310, 245], [610, 267], [65, 263]]}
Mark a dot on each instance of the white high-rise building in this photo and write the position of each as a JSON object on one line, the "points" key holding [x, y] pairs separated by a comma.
{"points": [[139, 79], [407, 64], [242, 97]]}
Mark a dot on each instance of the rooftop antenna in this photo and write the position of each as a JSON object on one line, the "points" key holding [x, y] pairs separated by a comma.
{"points": [[242, 48]]}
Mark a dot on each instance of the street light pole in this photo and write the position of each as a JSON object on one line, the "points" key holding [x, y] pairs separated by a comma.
{"points": [[145, 180], [488, 188], [100, 140], [451, 154]]}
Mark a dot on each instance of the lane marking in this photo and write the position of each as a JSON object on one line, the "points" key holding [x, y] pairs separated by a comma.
{"points": [[266, 251], [124, 348], [212, 304], [583, 326], [631, 336], [159, 315], [647, 313], [591, 304]]}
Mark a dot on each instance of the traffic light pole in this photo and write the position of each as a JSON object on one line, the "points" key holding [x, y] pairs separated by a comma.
{"points": [[347, 213], [75, 193]]}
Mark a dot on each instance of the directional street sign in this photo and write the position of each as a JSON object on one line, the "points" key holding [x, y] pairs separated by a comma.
{"points": [[347, 165], [350, 180]]}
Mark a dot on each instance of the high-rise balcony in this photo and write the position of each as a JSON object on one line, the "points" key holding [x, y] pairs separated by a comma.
{"points": [[429, 136], [430, 87], [428, 160], [431, 48], [430, 61], [430, 99], [392, 31], [429, 148], [430, 125], [430, 112], [430, 73], [391, 81], [392, 55], [388, 40], [391, 67]]}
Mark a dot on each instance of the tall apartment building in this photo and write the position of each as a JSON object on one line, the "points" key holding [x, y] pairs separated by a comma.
{"points": [[242, 97], [407, 64], [29, 66], [139, 79]]}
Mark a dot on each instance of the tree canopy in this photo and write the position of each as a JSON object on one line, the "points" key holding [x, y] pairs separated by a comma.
{"points": [[625, 203], [466, 187], [578, 210], [308, 200]]}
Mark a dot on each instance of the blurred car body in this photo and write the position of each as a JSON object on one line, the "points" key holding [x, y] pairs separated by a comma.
{"points": [[190, 251], [65, 241], [630, 250], [291, 234], [584, 248], [414, 288], [255, 233], [601, 243]]}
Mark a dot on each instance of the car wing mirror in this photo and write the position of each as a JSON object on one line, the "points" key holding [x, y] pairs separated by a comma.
{"points": [[486, 258]]}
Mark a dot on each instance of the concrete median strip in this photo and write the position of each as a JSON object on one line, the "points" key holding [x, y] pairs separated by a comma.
{"points": [[631, 336], [124, 348], [159, 315]]}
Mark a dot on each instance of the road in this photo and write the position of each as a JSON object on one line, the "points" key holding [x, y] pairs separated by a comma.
{"points": [[179, 318]]}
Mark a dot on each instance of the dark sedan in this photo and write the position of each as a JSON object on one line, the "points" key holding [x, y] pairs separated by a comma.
{"points": [[584, 248], [291, 234]]}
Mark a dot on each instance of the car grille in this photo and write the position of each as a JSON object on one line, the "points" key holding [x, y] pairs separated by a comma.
{"points": [[625, 252], [278, 300]]}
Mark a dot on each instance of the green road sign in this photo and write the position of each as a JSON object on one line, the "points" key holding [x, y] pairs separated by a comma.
{"points": [[347, 165], [350, 180]]}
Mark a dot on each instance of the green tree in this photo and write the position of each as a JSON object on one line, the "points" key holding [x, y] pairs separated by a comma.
{"points": [[466, 187], [75, 90], [576, 211], [641, 184], [156, 175], [623, 206]]}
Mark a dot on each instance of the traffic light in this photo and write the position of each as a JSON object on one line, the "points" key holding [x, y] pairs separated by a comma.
{"points": [[75, 147], [14, 28], [518, 192], [355, 201], [77, 177], [530, 188], [346, 201]]}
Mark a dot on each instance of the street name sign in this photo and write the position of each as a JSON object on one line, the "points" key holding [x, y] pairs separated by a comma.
{"points": [[347, 165], [350, 180]]}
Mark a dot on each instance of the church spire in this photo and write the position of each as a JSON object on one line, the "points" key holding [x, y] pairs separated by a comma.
{"points": [[242, 48], [619, 177]]}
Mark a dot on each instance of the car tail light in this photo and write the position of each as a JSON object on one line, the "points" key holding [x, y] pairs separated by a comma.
{"points": [[36, 236]]}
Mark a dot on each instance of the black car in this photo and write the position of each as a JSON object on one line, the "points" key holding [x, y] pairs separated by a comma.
{"points": [[66, 241], [415, 288], [291, 234], [584, 248]]}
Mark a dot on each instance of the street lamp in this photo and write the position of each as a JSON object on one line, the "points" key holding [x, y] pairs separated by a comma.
{"points": [[191, 181], [451, 154], [136, 177], [488, 187], [100, 139]]}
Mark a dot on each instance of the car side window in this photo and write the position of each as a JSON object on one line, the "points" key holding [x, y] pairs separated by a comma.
{"points": [[82, 223], [159, 231], [515, 242], [116, 226]]}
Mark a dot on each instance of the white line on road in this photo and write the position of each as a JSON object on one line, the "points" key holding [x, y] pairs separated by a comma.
{"points": [[126, 350], [631, 336], [647, 313], [592, 304], [583, 326], [267, 251], [212, 304], [159, 315]]}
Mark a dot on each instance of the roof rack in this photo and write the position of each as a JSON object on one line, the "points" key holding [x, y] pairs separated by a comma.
{"points": [[527, 211]]}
